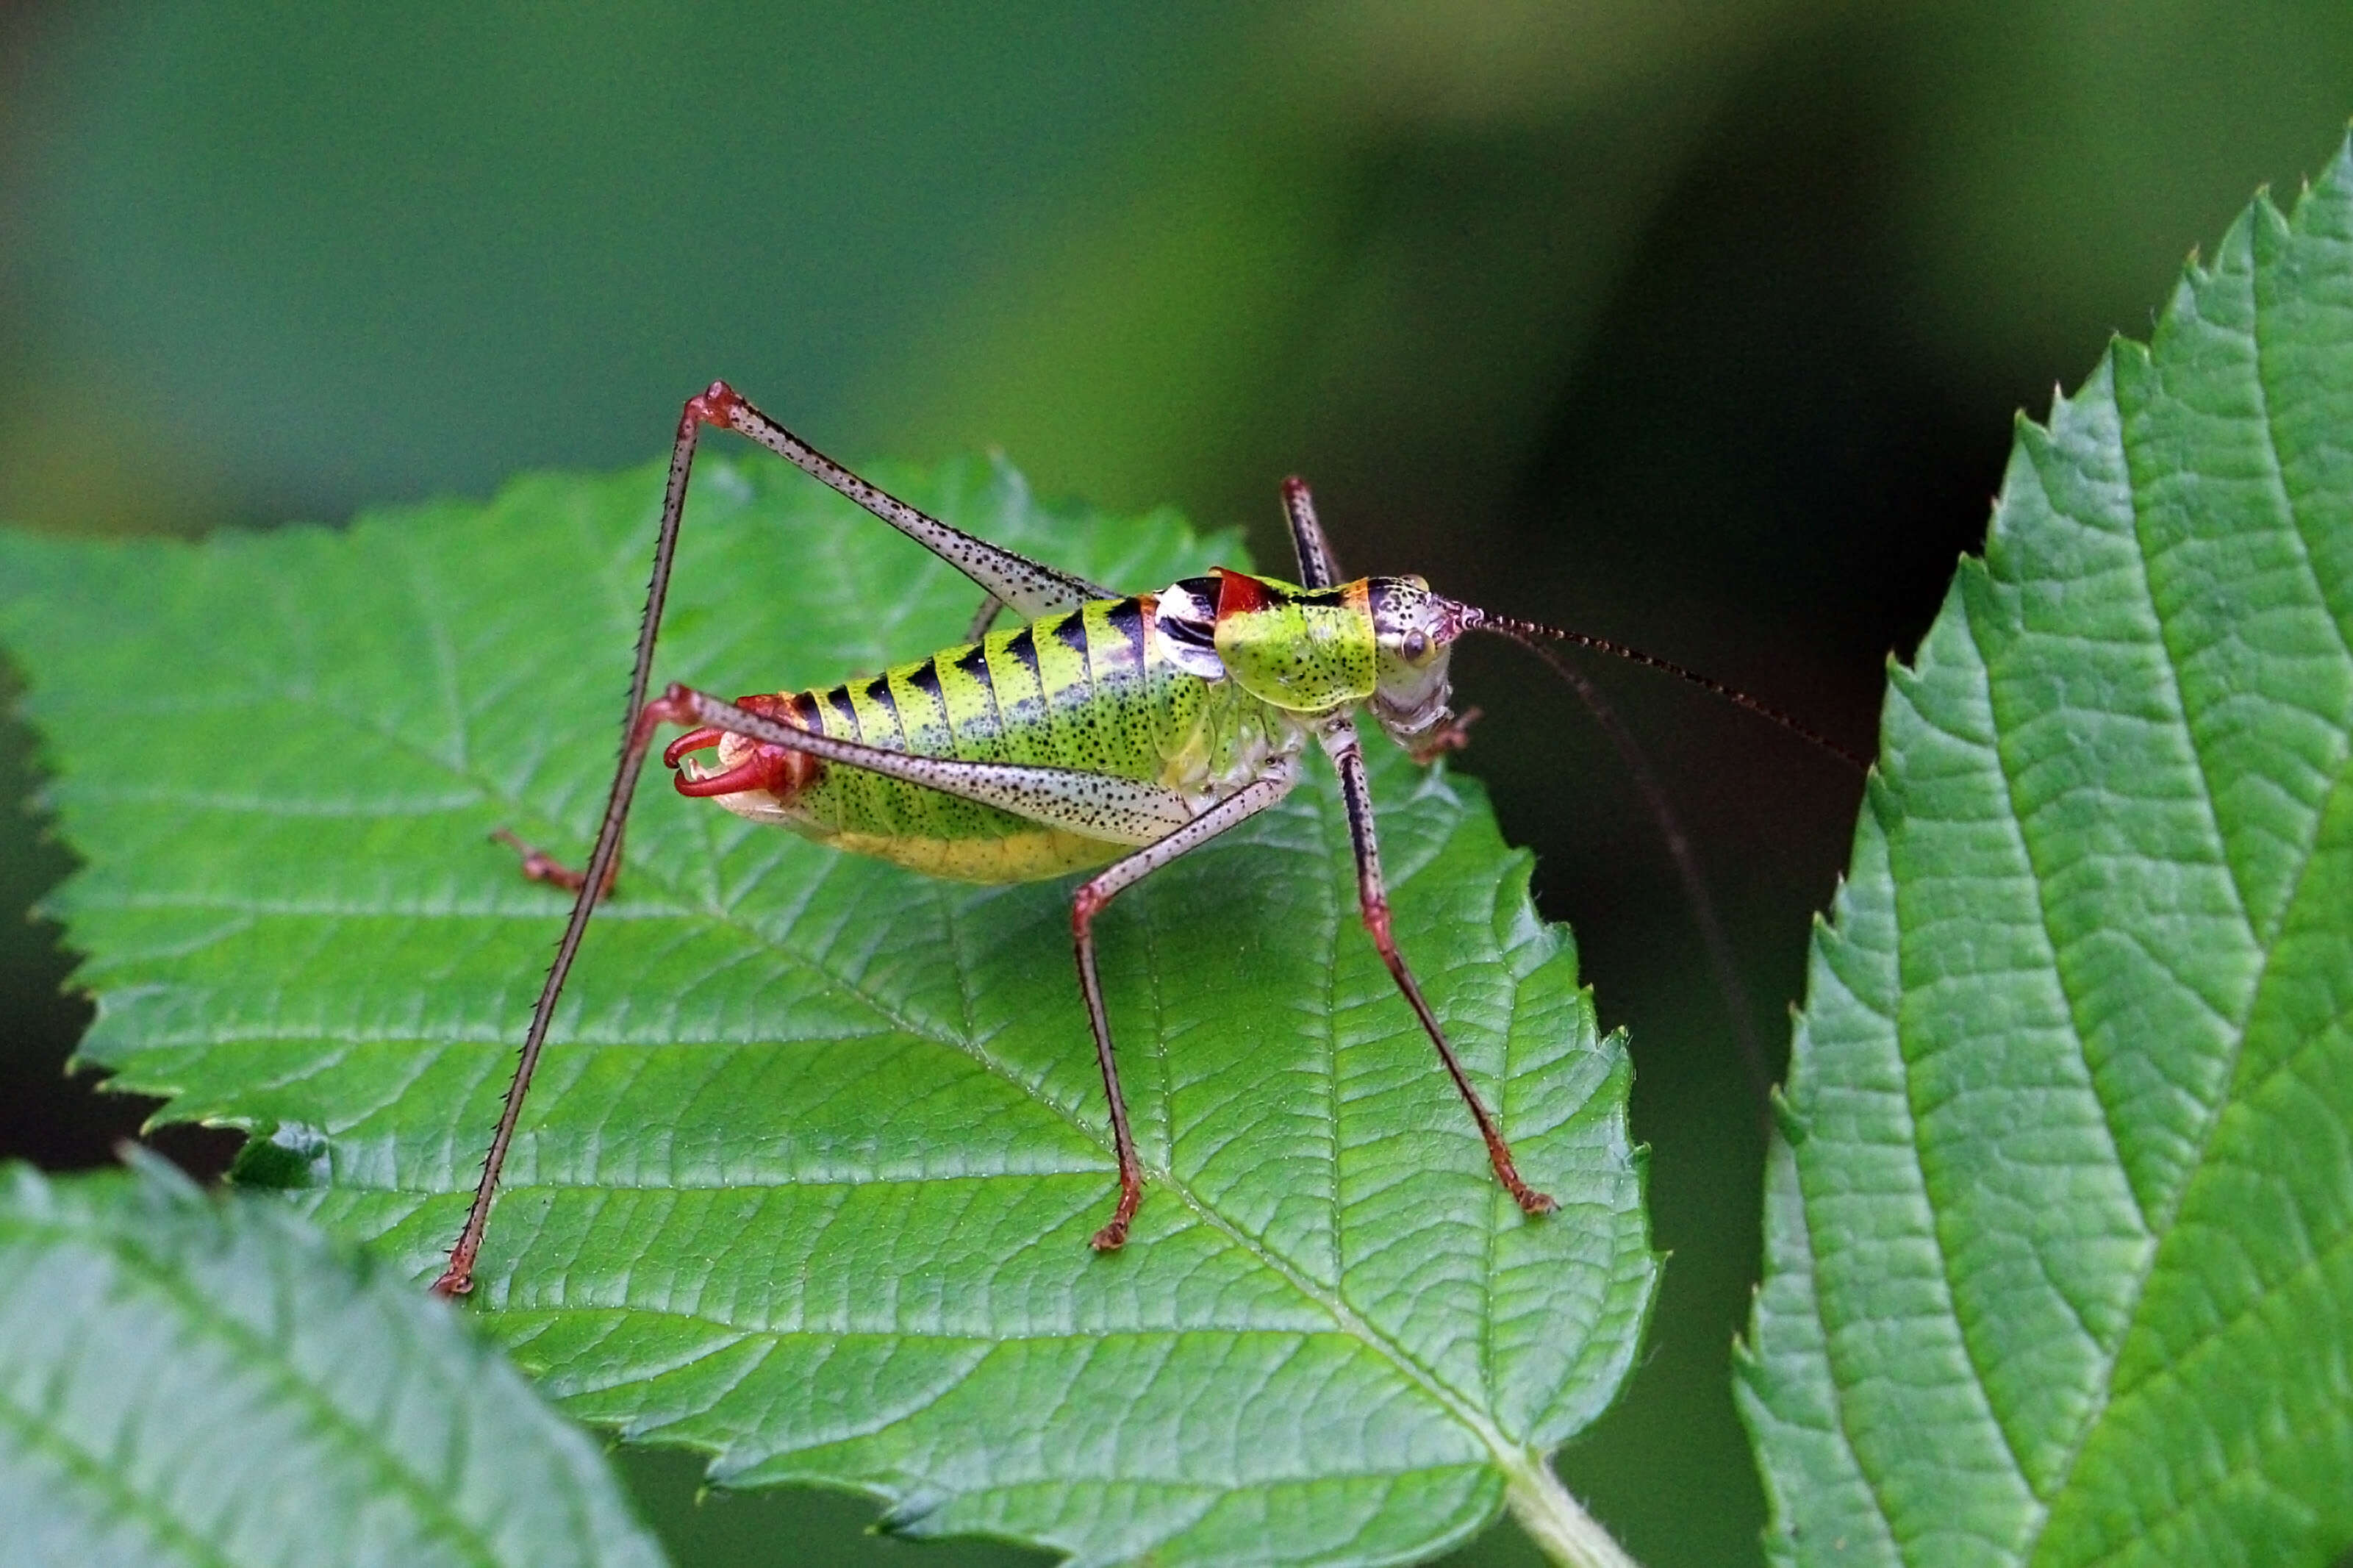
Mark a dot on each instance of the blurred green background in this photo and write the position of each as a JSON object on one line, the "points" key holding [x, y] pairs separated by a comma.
{"points": [[1698, 326]]}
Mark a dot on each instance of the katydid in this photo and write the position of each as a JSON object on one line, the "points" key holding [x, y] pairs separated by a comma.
{"points": [[1109, 730]]}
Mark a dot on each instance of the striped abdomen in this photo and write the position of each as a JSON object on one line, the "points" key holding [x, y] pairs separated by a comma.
{"points": [[1089, 688]]}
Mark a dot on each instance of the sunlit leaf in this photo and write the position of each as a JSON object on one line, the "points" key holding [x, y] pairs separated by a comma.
{"points": [[2062, 1244], [808, 1176]]}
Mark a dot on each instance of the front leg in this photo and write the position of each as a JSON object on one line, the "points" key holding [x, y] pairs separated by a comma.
{"points": [[1100, 889], [1340, 743]]}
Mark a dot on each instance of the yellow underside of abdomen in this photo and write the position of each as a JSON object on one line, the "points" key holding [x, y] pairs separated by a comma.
{"points": [[1013, 857]]}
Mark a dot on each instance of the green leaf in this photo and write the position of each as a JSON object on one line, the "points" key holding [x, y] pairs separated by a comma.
{"points": [[2061, 1252], [808, 1174], [191, 1382]]}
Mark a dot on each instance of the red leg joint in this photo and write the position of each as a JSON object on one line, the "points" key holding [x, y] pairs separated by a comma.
{"points": [[714, 405]]}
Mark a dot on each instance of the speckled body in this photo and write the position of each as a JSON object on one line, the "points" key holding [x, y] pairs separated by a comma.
{"points": [[1094, 689]]}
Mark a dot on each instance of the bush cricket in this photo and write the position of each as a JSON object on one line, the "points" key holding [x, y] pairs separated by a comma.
{"points": [[1108, 730]]}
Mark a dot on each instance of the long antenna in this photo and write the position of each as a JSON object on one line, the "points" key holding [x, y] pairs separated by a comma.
{"points": [[1720, 963], [1526, 632], [1712, 938]]}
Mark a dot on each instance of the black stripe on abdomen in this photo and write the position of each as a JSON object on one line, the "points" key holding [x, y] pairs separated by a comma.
{"points": [[973, 661], [1023, 649], [837, 702], [1127, 618], [878, 691], [1021, 696], [925, 679]]}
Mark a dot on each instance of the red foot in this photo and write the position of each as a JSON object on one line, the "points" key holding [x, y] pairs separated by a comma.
{"points": [[540, 866], [1114, 1236]]}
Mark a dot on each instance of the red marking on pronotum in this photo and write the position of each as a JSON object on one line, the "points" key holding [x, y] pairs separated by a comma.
{"points": [[1239, 593]]}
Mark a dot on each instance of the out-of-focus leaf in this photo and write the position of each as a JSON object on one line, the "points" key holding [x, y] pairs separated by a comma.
{"points": [[2062, 1246], [808, 1174], [190, 1381]]}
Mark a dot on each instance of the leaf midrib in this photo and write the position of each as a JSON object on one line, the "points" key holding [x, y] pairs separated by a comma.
{"points": [[2157, 1227], [2266, 943], [262, 1357], [105, 1480]]}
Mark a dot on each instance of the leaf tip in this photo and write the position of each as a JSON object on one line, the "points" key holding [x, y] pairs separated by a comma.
{"points": [[911, 1518]]}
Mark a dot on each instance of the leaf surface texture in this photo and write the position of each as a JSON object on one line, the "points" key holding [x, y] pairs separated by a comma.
{"points": [[808, 1172], [201, 1383], [2060, 1259]]}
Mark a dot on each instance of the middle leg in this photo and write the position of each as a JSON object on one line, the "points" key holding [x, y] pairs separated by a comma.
{"points": [[1100, 889]]}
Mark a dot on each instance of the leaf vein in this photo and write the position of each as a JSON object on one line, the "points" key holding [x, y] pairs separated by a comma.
{"points": [[270, 1360], [102, 1478]]}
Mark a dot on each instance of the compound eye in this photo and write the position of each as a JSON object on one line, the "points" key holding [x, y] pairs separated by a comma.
{"points": [[1415, 647]]}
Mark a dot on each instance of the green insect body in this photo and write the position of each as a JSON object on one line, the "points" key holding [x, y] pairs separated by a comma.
{"points": [[1102, 690], [1096, 689]]}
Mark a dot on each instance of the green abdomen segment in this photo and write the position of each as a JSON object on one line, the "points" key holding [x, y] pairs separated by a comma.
{"points": [[1087, 690]]}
